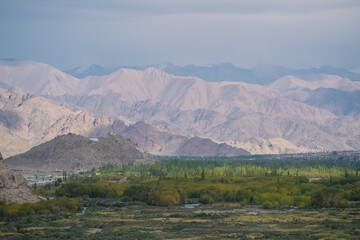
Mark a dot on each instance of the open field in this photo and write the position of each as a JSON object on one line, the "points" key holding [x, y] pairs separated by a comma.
{"points": [[219, 221]]}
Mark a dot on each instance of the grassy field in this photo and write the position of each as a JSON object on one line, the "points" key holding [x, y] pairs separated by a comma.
{"points": [[109, 219]]}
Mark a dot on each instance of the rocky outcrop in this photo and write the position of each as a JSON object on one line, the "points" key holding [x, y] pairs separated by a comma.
{"points": [[13, 187], [75, 152]]}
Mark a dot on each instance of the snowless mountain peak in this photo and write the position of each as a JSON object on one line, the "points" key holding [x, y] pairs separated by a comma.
{"points": [[298, 108]]}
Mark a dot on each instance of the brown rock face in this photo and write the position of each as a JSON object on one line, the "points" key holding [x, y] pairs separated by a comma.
{"points": [[75, 152], [13, 187]]}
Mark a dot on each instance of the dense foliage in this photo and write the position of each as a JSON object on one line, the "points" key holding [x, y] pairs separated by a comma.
{"points": [[258, 166], [271, 184], [42, 207]]}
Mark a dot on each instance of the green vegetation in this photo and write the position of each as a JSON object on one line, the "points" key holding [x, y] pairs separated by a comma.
{"points": [[269, 191], [271, 184], [104, 220], [258, 166], [240, 198], [42, 207]]}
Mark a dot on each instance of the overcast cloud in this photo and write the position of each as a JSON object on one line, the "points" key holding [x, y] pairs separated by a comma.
{"points": [[67, 33]]}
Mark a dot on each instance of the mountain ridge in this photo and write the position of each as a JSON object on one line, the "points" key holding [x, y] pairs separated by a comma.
{"points": [[221, 111], [260, 74], [40, 120]]}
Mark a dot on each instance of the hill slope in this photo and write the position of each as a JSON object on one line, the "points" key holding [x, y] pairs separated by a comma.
{"points": [[27, 120], [207, 148], [75, 152], [13, 187], [164, 143], [37, 77]]}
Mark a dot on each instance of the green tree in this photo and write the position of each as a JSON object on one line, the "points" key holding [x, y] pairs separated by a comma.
{"points": [[64, 175]]}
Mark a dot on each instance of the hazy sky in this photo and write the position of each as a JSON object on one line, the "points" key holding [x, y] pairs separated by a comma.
{"points": [[291, 33]]}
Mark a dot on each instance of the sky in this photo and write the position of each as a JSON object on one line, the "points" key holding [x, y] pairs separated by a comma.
{"points": [[290, 33]]}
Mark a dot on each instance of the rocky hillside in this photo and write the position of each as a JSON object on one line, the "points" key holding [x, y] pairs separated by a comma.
{"points": [[225, 111], [163, 143], [75, 152], [13, 187], [27, 120], [270, 146], [335, 94], [207, 148], [221, 111]]}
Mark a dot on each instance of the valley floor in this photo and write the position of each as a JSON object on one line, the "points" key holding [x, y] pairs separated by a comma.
{"points": [[221, 221]]}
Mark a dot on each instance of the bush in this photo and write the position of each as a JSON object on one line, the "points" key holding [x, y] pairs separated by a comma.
{"points": [[302, 205], [42, 207], [136, 193], [230, 196], [2, 208], [210, 195], [329, 197], [95, 190], [267, 204], [164, 197]]}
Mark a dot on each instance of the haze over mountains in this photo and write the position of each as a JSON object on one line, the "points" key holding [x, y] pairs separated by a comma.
{"points": [[260, 74], [306, 111]]}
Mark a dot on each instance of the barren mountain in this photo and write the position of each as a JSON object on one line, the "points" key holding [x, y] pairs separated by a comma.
{"points": [[164, 143], [155, 141], [13, 187], [261, 74], [37, 77], [207, 148], [75, 152], [27, 120], [339, 102], [270, 146], [222, 111], [313, 82], [335, 94]]}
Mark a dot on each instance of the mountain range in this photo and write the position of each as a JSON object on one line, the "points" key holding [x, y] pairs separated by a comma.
{"points": [[302, 112], [27, 120], [263, 74]]}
